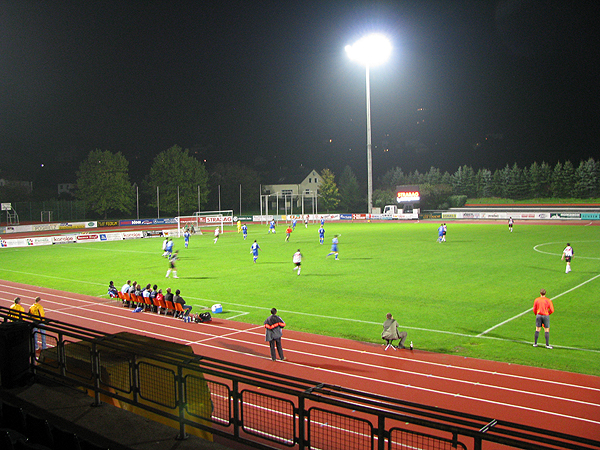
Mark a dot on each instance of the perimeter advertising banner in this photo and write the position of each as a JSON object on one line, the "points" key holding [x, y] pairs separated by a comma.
{"points": [[108, 223], [27, 242], [71, 226], [83, 238]]}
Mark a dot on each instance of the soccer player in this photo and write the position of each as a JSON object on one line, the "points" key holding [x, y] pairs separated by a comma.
{"points": [[186, 238], [169, 248], [440, 233], [444, 233], [322, 221], [334, 247], [542, 308], [239, 225], [297, 259], [216, 235], [165, 242], [288, 231], [272, 226], [510, 224], [172, 268], [321, 235], [245, 231], [254, 250], [567, 254], [306, 221], [294, 223]]}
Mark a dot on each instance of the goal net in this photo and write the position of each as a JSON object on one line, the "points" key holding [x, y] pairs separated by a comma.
{"points": [[203, 221]]}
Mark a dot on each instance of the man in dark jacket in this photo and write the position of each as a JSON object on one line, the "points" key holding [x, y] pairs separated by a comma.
{"points": [[273, 332], [181, 301]]}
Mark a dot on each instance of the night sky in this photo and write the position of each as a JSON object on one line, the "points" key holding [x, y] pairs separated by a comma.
{"points": [[268, 84]]}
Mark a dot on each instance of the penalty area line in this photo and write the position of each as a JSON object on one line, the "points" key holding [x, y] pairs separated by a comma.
{"points": [[529, 310]]}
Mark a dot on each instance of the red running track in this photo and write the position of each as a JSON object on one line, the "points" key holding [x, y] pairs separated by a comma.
{"points": [[561, 401]]}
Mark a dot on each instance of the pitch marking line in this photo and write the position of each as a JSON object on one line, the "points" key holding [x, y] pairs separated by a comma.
{"points": [[536, 248], [530, 310], [252, 329], [427, 330], [362, 377]]}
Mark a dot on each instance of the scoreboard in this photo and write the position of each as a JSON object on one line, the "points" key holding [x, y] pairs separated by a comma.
{"points": [[408, 194]]}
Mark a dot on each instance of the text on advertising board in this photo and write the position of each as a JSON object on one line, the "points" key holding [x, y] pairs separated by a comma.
{"points": [[408, 196]]}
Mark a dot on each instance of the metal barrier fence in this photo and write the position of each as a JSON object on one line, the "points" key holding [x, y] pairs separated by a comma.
{"points": [[258, 408]]}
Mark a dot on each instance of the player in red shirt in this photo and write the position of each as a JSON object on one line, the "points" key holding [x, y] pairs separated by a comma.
{"points": [[288, 231], [542, 308]]}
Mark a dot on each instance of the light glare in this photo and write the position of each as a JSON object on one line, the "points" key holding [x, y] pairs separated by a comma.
{"points": [[370, 50]]}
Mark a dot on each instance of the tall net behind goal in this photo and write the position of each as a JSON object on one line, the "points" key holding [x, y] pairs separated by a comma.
{"points": [[204, 221]]}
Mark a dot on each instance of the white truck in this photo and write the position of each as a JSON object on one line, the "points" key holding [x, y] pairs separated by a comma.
{"points": [[398, 212]]}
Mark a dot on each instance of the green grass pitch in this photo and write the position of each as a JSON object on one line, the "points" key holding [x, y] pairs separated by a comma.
{"points": [[471, 296]]}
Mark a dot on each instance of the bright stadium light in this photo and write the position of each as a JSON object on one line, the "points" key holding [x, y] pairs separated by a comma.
{"points": [[370, 50]]}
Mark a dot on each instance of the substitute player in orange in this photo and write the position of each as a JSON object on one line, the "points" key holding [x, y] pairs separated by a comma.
{"points": [[542, 308]]}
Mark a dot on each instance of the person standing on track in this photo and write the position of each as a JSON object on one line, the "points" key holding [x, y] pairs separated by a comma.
{"points": [[273, 332], [567, 255], [37, 311], [542, 308], [16, 309]]}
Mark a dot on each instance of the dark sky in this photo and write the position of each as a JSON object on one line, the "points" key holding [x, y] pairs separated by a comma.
{"points": [[268, 84]]}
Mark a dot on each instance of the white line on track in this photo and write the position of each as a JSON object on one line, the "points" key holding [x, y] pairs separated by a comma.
{"points": [[85, 304], [427, 330]]}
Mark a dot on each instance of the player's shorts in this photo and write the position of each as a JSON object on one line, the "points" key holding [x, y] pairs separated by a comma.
{"points": [[298, 264], [334, 248], [510, 225], [542, 321], [568, 259], [172, 265]]}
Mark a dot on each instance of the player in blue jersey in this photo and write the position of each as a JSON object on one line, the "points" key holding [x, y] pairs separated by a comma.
{"points": [[322, 221], [169, 248], [254, 250], [293, 224], [186, 238], [272, 226], [440, 233], [321, 234], [334, 247], [245, 231]]}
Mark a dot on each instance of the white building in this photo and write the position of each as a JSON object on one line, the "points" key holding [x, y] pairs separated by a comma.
{"points": [[300, 198]]}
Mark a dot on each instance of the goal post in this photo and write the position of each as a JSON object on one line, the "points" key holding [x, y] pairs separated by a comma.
{"points": [[202, 220]]}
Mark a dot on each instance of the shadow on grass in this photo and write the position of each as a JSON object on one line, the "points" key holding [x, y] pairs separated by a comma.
{"points": [[197, 278]]}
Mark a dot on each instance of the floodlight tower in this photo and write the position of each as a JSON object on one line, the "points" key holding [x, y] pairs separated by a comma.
{"points": [[370, 50]]}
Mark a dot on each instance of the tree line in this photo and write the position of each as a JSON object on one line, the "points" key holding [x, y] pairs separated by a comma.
{"points": [[442, 190], [176, 183]]}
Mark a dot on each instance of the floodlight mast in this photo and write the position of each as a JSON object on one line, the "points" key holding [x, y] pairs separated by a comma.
{"points": [[370, 50]]}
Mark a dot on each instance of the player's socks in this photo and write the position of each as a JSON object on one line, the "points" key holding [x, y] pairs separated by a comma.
{"points": [[535, 338], [168, 273], [298, 270]]}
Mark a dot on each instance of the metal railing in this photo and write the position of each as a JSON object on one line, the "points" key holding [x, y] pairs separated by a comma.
{"points": [[261, 408]]}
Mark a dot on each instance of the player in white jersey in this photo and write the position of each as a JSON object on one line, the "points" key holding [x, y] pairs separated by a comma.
{"points": [[567, 255], [216, 235], [297, 260], [510, 224]]}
